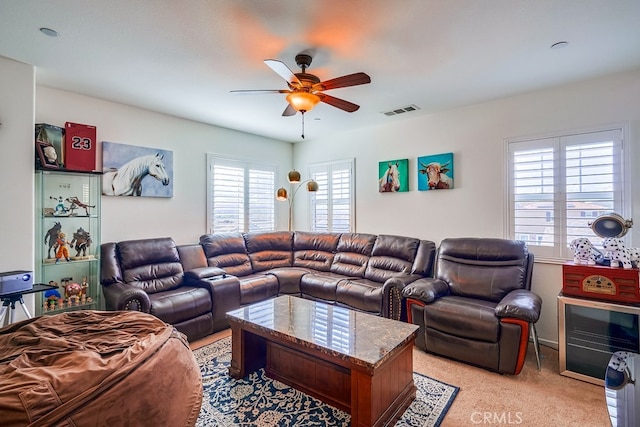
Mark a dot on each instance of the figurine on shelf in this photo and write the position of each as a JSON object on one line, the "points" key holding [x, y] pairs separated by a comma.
{"points": [[60, 209], [583, 251], [72, 290], [85, 286], [618, 254], [51, 237], [63, 250], [51, 297], [82, 240], [75, 203]]}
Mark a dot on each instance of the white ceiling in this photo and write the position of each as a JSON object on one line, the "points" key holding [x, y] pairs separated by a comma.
{"points": [[182, 57]]}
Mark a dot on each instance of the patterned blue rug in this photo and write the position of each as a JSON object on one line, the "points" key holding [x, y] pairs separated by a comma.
{"points": [[260, 401]]}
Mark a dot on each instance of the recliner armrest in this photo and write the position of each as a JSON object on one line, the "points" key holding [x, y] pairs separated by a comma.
{"points": [[203, 273], [120, 296], [426, 289], [521, 304]]}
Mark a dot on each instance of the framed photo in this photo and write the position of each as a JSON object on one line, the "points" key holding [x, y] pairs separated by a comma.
{"points": [[47, 155], [131, 170], [435, 172], [393, 176]]}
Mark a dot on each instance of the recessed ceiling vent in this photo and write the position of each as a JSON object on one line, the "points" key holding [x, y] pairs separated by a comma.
{"points": [[395, 112]]}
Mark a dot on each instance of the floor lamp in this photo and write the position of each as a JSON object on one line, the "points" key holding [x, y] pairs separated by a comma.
{"points": [[282, 194]]}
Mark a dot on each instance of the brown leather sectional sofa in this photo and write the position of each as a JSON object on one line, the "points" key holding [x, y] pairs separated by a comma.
{"points": [[193, 286]]}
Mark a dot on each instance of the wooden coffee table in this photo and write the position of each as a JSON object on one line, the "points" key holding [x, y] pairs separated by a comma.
{"points": [[356, 362]]}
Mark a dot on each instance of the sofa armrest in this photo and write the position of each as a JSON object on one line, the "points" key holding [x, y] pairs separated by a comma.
{"points": [[426, 289], [402, 281], [120, 296], [203, 273], [520, 304]]}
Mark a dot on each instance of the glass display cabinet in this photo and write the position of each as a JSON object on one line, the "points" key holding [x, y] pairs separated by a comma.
{"points": [[67, 233], [590, 331]]}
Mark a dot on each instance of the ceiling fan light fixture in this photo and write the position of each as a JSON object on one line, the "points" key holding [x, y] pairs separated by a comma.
{"points": [[303, 101]]}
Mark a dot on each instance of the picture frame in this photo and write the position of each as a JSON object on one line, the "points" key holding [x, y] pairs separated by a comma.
{"points": [[47, 155], [131, 170], [435, 172], [393, 176]]}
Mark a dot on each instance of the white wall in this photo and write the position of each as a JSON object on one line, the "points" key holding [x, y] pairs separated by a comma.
{"points": [[17, 84], [475, 134], [182, 217]]}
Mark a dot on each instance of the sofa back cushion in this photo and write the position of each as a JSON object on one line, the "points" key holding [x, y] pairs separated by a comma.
{"points": [[269, 250], [152, 265], [352, 254], [483, 268], [228, 252], [314, 250], [391, 256]]}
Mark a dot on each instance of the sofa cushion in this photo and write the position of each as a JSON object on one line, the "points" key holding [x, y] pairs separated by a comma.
{"points": [[155, 277], [470, 268], [152, 265], [257, 287], [464, 317], [391, 256], [314, 250], [269, 250], [352, 254], [136, 253], [361, 294], [228, 252], [177, 305], [321, 285]]}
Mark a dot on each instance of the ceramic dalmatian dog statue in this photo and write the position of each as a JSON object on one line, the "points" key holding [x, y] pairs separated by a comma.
{"points": [[583, 251], [618, 254]]}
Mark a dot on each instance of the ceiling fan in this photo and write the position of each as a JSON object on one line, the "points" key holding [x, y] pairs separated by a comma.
{"points": [[306, 90]]}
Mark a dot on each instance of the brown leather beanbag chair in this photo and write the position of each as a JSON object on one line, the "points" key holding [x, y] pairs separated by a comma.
{"points": [[97, 368]]}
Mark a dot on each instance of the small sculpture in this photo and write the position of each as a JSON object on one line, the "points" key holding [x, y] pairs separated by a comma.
{"points": [[75, 203], [63, 250], [618, 254], [73, 293], [82, 240], [51, 236], [583, 251], [60, 209]]}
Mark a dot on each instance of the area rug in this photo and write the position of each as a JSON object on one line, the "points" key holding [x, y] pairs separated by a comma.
{"points": [[260, 401]]}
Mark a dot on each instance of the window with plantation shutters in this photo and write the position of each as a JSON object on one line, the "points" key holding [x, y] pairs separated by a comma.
{"points": [[332, 205], [240, 196], [559, 185]]}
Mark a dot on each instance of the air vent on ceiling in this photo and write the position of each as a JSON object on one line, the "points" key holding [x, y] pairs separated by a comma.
{"points": [[402, 110]]}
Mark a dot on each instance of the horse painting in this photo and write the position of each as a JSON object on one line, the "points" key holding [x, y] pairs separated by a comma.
{"points": [[127, 180], [390, 181]]}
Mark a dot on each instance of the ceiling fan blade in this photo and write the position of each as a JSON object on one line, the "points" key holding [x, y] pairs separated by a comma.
{"points": [[289, 111], [258, 91], [347, 106], [344, 81], [282, 70]]}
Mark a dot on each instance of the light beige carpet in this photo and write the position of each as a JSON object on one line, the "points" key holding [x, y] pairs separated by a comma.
{"points": [[534, 398]]}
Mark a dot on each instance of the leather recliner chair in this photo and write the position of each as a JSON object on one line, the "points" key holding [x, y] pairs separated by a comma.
{"points": [[147, 275], [478, 308]]}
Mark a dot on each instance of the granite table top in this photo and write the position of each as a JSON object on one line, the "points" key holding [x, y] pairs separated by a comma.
{"points": [[359, 338]]}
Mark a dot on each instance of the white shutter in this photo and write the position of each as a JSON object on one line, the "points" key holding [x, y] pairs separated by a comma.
{"points": [[240, 196], [332, 205], [261, 200], [558, 185]]}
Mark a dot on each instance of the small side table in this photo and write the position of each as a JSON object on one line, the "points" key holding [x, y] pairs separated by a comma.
{"points": [[9, 302], [621, 393]]}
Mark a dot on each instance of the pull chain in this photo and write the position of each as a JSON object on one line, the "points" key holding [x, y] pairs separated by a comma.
{"points": [[302, 124]]}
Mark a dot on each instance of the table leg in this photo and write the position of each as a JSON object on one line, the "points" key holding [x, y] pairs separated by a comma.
{"points": [[248, 352]]}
